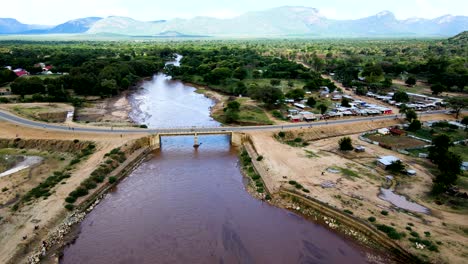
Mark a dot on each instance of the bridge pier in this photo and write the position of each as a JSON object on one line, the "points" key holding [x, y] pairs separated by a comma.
{"points": [[195, 141], [154, 141]]}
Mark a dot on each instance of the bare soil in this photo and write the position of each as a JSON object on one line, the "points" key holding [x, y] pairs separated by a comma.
{"points": [[357, 181]]}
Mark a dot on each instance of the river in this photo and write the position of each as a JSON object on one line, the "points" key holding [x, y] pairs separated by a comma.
{"points": [[187, 205]]}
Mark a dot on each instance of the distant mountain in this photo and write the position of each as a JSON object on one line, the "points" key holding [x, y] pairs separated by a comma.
{"points": [[12, 26], [286, 21], [75, 26]]}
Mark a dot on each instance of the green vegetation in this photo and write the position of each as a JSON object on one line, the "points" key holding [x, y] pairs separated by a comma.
{"points": [[345, 144], [390, 231], [371, 219], [384, 212]]}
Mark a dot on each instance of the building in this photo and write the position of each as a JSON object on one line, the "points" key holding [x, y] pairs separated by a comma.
{"points": [[397, 132], [383, 131], [385, 161]]}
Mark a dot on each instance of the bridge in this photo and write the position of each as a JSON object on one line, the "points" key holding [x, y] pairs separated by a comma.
{"points": [[156, 133]]}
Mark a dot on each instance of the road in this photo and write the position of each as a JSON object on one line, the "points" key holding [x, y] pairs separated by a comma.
{"points": [[34, 124]]}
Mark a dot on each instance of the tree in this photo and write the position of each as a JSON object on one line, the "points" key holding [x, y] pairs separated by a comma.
{"points": [[345, 144], [396, 167], [414, 125], [232, 112], [449, 167], [296, 94], [323, 108], [411, 115], [401, 97], [311, 102], [410, 81], [387, 83], [361, 90], [239, 73], [465, 122], [403, 109], [458, 104], [345, 102], [439, 148], [438, 88]]}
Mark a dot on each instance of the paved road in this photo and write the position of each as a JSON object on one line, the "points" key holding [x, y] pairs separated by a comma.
{"points": [[25, 122]]}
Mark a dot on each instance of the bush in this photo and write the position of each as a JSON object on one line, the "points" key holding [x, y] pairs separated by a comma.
{"points": [[408, 228], [345, 144], [255, 177], [112, 179], [69, 207], [390, 231], [143, 126], [298, 140], [259, 184], [292, 182], [70, 199], [260, 190], [305, 190], [281, 134], [414, 234], [371, 219], [348, 211], [267, 197], [427, 234], [298, 186], [260, 158], [4, 189], [76, 141], [384, 212], [79, 192], [89, 184], [74, 161]]}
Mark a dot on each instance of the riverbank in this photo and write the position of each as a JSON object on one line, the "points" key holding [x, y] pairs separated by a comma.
{"points": [[350, 183], [47, 213]]}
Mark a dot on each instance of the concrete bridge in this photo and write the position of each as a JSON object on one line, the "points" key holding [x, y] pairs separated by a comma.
{"points": [[154, 141]]}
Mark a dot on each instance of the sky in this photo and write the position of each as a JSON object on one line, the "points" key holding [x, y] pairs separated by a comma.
{"points": [[51, 12]]}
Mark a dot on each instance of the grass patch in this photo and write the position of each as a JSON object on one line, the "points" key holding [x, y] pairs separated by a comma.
{"points": [[348, 173], [311, 154]]}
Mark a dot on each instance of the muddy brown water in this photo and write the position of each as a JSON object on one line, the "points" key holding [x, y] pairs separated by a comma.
{"points": [[187, 205]]}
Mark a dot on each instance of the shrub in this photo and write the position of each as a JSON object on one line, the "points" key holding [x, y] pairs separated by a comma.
{"points": [[371, 219], [255, 177], [76, 141], [4, 189], [143, 126], [298, 140], [74, 161], [80, 191], [258, 184], [112, 179], [70, 199], [409, 228], [348, 211], [427, 234], [260, 190], [281, 134], [384, 212], [292, 182], [298, 186], [89, 184], [345, 144], [260, 158], [69, 207], [390, 231], [267, 197], [414, 234], [305, 190]]}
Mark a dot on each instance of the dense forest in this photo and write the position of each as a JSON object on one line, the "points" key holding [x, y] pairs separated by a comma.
{"points": [[106, 68]]}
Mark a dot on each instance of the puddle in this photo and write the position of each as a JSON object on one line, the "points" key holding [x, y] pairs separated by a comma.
{"points": [[26, 163], [401, 201]]}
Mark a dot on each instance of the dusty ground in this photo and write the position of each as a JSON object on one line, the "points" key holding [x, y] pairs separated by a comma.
{"points": [[357, 187], [46, 213], [108, 112], [50, 112]]}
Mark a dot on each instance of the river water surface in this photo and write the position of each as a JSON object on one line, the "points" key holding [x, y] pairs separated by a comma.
{"points": [[188, 205]]}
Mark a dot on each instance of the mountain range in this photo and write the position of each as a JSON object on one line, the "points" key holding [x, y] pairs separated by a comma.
{"points": [[286, 21]]}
